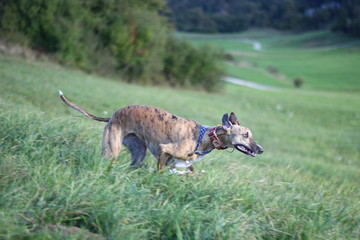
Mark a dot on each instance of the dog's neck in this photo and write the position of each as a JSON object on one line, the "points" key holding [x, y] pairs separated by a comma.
{"points": [[213, 135], [211, 140]]}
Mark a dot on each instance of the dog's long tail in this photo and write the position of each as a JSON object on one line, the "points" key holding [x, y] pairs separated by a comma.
{"points": [[67, 102]]}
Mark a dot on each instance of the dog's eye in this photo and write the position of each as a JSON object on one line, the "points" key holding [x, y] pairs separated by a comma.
{"points": [[245, 135]]}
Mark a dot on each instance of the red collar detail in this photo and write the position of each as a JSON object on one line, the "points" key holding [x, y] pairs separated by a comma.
{"points": [[215, 139]]}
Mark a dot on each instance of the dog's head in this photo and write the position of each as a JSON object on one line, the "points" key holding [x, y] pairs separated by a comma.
{"points": [[235, 136]]}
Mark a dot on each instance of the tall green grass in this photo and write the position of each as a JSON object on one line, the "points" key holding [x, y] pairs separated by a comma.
{"points": [[304, 186]]}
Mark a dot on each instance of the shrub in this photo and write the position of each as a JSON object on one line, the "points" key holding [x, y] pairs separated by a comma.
{"points": [[272, 70], [298, 82], [51, 26], [229, 57], [185, 66]]}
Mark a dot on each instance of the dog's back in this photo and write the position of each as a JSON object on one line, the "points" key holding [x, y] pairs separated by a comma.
{"points": [[156, 126]]}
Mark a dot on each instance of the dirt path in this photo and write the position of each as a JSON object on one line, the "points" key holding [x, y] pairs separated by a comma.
{"points": [[250, 84], [257, 46]]}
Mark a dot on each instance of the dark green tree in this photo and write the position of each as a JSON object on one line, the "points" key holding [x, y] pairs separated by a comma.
{"points": [[126, 37], [237, 15]]}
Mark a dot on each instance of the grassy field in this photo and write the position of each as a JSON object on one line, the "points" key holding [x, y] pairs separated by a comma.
{"points": [[319, 58], [55, 185]]}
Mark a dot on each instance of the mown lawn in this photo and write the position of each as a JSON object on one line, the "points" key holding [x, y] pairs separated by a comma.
{"points": [[304, 186]]}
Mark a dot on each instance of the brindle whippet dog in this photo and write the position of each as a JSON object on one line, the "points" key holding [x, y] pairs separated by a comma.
{"points": [[174, 141]]}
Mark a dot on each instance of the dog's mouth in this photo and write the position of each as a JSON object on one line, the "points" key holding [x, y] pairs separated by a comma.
{"points": [[244, 149]]}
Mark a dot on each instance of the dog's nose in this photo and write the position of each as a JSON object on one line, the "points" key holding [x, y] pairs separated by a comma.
{"points": [[260, 150]]}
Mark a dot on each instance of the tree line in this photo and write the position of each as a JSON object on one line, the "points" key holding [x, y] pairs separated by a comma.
{"points": [[239, 15], [127, 38]]}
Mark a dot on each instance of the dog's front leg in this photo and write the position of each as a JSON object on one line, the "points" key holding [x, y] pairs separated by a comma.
{"points": [[167, 151], [191, 168], [164, 157]]}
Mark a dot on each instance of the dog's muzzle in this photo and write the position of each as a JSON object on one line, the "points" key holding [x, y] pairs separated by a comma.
{"points": [[246, 150], [260, 150]]}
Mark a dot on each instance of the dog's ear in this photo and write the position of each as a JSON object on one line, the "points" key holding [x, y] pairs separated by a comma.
{"points": [[233, 119], [225, 121]]}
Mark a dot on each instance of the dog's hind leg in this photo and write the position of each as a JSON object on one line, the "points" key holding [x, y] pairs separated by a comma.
{"points": [[111, 143], [137, 148]]}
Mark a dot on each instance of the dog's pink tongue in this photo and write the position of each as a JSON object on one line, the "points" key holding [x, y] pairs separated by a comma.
{"points": [[240, 148]]}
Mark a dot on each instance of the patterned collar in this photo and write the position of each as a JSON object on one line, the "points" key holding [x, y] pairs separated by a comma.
{"points": [[213, 138], [201, 135]]}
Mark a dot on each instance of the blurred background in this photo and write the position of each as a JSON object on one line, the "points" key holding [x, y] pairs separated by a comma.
{"points": [[135, 40]]}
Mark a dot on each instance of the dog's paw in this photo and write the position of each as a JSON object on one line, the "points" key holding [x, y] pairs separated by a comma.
{"points": [[175, 171]]}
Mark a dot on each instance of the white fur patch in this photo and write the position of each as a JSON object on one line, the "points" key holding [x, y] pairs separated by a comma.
{"points": [[175, 171]]}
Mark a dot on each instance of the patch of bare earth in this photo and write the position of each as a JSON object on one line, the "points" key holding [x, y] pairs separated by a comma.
{"points": [[11, 49]]}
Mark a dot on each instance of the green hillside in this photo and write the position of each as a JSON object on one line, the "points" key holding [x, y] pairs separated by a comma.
{"points": [[304, 186], [324, 60]]}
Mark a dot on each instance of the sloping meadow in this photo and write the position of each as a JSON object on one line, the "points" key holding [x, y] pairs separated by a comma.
{"points": [[55, 185]]}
